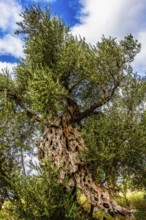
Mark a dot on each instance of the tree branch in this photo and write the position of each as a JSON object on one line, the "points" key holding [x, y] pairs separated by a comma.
{"points": [[18, 101], [103, 100], [73, 87]]}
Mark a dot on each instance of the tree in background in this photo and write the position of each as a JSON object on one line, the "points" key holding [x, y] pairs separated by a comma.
{"points": [[85, 101]]}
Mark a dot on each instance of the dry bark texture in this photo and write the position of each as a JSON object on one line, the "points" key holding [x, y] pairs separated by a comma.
{"points": [[61, 144]]}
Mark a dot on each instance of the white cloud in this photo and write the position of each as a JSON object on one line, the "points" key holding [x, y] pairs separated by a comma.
{"points": [[9, 66], [11, 45], [140, 61], [115, 18], [9, 14]]}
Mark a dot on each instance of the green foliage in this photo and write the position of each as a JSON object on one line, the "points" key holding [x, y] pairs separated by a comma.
{"points": [[59, 67], [116, 139], [41, 196], [44, 92], [135, 201]]}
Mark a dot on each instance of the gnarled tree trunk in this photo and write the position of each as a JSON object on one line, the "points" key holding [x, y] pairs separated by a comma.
{"points": [[61, 144]]}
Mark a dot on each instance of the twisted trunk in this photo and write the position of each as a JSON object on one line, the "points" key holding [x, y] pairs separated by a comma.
{"points": [[61, 144]]}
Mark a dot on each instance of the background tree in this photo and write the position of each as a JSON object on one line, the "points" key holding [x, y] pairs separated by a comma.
{"points": [[64, 87]]}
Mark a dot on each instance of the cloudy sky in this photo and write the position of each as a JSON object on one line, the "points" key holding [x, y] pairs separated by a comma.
{"points": [[88, 18]]}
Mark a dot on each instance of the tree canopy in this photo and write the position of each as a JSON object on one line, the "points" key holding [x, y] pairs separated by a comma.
{"points": [[62, 73]]}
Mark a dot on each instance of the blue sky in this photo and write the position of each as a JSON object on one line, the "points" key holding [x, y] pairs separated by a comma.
{"points": [[88, 18]]}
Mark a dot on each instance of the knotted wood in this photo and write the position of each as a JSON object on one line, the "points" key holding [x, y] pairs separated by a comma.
{"points": [[61, 144]]}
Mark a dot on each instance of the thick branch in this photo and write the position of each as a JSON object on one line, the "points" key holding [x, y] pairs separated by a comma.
{"points": [[103, 100], [15, 97]]}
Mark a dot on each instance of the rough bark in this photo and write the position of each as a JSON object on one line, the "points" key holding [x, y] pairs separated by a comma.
{"points": [[61, 144]]}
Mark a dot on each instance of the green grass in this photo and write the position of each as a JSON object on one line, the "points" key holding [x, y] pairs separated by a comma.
{"points": [[133, 200]]}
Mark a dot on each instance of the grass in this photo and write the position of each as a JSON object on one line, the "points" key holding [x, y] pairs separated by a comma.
{"points": [[134, 200]]}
